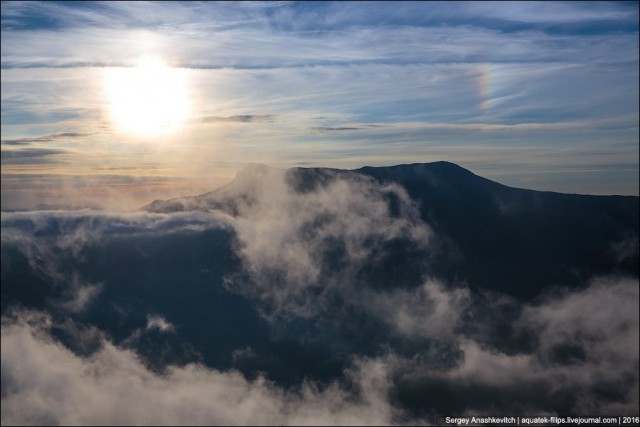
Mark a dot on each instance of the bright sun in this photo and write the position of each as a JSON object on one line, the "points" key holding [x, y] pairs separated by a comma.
{"points": [[147, 100]]}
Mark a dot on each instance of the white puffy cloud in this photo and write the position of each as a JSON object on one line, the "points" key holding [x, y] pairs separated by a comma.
{"points": [[155, 321], [298, 246], [585, 341], [429, 311], [80, 294], [585, 358], [606, 313], [44, 383]]}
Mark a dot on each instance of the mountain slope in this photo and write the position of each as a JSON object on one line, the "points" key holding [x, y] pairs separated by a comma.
{"points": [[486, 234]]}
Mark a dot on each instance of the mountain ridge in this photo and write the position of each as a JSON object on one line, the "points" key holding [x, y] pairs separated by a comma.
{"points": [[436, 167], [488, 234]]}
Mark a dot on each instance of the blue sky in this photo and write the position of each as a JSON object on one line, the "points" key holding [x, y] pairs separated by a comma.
{"points": [[535, 95]]}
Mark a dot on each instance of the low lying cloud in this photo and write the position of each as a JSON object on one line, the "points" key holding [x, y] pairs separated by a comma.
{"points": [[429, 311], [79, 294], [158, 322], [76, 228], [574, 344], [55, 243], [301, 308], [302, 245], [44, 383], [584, 360]]}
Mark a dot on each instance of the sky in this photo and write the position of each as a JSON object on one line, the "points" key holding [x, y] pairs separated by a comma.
{"points": [[116, 104]]}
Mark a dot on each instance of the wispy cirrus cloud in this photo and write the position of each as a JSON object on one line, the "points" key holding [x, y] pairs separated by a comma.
{"points": [[30, 156], [465, 72], [254, 36], [44, 138], [241, 118]]}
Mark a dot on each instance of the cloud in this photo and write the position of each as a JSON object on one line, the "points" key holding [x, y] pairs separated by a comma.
{"points": [[551, 13], [72, 229], [625, 249], [244, 118], [585, 359], [301, 35], [55, 244], [477, 352], [404, 131], [44, 138], [429, 311], [78, 294], [597, 325], [300, 245], [44, 383], [123, 187], [575, 343], [160, 323], [22, 141], [325, 129], [243, 353], [111, 385], [292, 17], [30, 156]]}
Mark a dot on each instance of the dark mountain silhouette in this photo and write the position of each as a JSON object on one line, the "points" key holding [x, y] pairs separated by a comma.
{"points": [[488, 235]]}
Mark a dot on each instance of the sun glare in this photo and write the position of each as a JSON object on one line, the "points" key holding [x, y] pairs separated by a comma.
{"points": [[147, 100]]}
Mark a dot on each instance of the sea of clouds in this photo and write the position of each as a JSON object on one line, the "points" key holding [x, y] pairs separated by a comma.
{"points": [[85, 291]]}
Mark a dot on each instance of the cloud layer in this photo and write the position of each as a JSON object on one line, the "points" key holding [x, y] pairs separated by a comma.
{"points": [[288, 310], [44, 383]]}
